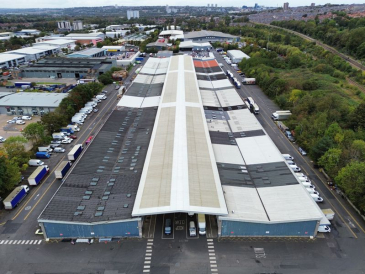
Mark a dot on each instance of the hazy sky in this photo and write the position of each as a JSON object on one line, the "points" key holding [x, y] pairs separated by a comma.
{"points": [[90, 3]]}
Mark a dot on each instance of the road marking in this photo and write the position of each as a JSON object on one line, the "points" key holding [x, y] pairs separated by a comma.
{"points": [[214, 270], [149, 243], [210, 246], [149, 247], [39, 242], [212, 258], [31, 242], [27, 242], [23, 242], [213, 265], [15, 242], [209, 240], [146, 270], [147, 262], [150, 240], [2, 242], [210, 243], [149, 251], [6, 242], [213, 262], [146, 266]]}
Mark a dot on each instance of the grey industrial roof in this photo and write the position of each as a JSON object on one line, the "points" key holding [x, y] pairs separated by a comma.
{"points": [[206, 34], [114, 161], [87, 52], [156, 44], [143, 90], [33, 99], [9, 57], [29, 50]]}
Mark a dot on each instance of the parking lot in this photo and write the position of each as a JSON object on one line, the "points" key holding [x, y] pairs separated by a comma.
{"points": [[8, 130]]}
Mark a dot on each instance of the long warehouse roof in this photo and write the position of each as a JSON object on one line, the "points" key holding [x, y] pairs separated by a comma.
{"points": [[180, 172]]}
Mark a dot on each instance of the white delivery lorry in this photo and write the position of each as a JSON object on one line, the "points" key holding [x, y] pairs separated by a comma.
{"points": [[281, 115], [329, 213], [74, 127], [288, 157], [316, 198], [201, 224], [308, 185], [77, 120], [249, 81], [312, 191], [58, 135]]}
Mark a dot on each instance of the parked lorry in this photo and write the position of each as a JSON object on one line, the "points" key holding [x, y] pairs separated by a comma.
{"points": [[201, 224], [74, 127], [16, 196], [42, 155], [329, 213], [62, 169], [75, 152], [67, 129], [77, 120], [35, 162], [36, 177], [281, 115], [249, 81], [58, 135], [45, 149]]}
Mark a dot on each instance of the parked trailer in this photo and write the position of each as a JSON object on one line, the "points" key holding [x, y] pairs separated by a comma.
{"points": [[281, 115], [249, 81], [42, 155], [74, 127], [75, 152], [16, 196], [36, 177], [62, 169]]}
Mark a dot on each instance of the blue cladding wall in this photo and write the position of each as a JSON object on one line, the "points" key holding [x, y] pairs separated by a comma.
{"points": [[232, 228], [122, 229]]}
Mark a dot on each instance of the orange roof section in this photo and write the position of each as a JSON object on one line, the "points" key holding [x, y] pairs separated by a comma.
{"points": [[205, 64]]}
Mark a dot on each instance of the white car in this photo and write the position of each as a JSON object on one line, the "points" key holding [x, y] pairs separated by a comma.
{"points": [[11, 121], [26, 118], [324, 228], [66, 141], [295, 168], [20, 122], [2, 139]]}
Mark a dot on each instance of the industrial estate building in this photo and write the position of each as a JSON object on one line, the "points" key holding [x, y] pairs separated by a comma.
{"points": [[210, 36], [88, 53], [182, 140], [68, 68], [236, 56], [30, 103]]}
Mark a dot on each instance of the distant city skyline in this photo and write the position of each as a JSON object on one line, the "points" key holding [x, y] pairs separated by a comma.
{"points": [[97, 3]]}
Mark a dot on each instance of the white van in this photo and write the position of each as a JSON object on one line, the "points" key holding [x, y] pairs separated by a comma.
{"points": [[59, 150], [301, 175], [26, 118], [312, 191], [288, 157], [192, 229], [35, 162], [302, 179], [20, 122], [316, 198], [308, 185], [290, 162], [295, 168]]}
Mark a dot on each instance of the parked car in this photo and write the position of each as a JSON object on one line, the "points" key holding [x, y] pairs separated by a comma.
{"points": [[66, 141], [73, 136], [26, 118], [53, 146], [104, 91], [11, 121], [117, 87], [55, 142], [59, 150], [2, 139], [302, 151], [20, 122], [95, 110]]}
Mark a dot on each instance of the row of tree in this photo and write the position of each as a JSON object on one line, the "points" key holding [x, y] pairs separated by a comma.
{"points": [[328, 115], [342, 32]]}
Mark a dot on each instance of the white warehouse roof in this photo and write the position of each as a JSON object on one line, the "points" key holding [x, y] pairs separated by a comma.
{"points": [[234, 53], [180, 173], [33, 99], [9, 57]]}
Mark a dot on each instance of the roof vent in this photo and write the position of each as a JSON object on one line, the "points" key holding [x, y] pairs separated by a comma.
{"points": [[232, 211], [86, 197], [77, 213], [125, 205], [129, 195], [80, 207], [98, 213], [100, 208]]}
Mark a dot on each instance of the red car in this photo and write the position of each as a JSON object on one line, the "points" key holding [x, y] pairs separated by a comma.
{"points": [[73, 136], [88, 140]]}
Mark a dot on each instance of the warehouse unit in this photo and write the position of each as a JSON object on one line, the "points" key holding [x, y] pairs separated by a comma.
{"points": [[263, 196], [236, 56], [96, 198]]}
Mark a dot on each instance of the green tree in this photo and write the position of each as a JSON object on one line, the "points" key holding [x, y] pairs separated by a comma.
{"points": [[351, 180], [294, 61], [331, 160], [9, 174], [15, 149], [320, 148], [358, 150], [34, 132]]}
